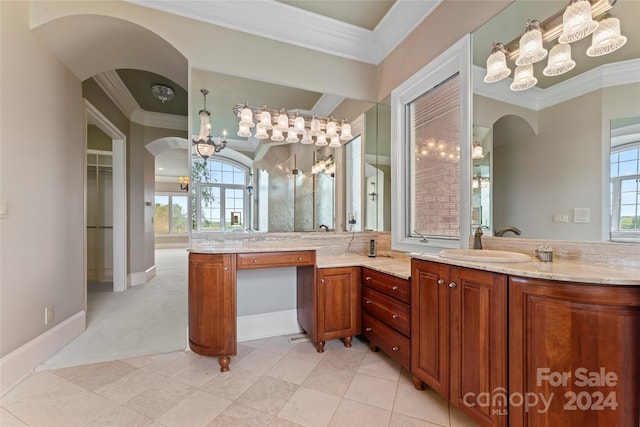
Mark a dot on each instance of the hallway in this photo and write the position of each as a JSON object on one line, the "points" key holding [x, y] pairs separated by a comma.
{"points": [[146, 319]]}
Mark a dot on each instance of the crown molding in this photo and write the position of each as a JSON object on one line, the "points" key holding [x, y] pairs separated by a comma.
{"points": [[288, 24], [117, 91], [607, 75]]}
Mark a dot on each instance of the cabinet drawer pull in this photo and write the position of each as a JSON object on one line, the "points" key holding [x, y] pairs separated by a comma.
{"points": [[321, 280], [255, 260], [367, 278], [395, 316], [299, 258], [452, 285], [369, 301], [395, 288], [367, 329], [395, 348], [440, 282]]}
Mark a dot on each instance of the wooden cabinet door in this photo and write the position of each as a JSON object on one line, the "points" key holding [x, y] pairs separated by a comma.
{"points": [[212, 304], [430, 324], [578, 346], [478, 344], [338, 302]]}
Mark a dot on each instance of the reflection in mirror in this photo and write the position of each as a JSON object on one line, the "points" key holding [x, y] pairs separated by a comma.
{"points": [[625, 179], [481, 201], [378, 167], [549, 159]]}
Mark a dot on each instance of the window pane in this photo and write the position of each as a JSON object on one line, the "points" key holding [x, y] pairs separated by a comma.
{"points": [[210, 208], [161, 219], [179, 210], [434, 137]]}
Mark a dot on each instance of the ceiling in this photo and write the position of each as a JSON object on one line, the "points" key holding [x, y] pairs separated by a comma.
{"points": [[227, 90]]}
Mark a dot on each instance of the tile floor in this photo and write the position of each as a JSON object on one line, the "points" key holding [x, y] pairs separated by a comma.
{"points": [[271, 383]]}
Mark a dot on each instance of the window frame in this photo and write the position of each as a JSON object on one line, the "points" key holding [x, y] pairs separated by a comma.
{"points": [[456, 59], [171, 195], [615, 184]]}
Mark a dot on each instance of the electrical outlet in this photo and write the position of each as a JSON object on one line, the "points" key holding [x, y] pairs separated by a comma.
{"points": [[564, 218], [48, 314]]}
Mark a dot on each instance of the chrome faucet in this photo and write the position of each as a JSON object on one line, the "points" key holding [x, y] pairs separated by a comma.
{"points": [[322, 226], [477, 238], [500, 232]]}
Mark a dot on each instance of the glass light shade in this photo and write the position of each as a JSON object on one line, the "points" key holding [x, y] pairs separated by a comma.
{"points": [[246, 117], [497, 65], [478, 152], [298, 124], [306, 138], [559, 60], [244, 131], [345, 132], [331, 128], [314, 169], [276, 135], [204, 124], [335, 142], [265, 120], [606, 38], [531, 50], [315, 126], [577, 22], [205, 149], [523, 78], [331, 169], [261, 132], [321, 139], [292, 135], [283, 121]]}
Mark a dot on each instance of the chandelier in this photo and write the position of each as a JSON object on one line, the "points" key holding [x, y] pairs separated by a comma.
{"points": [[576, 23], [303, 128], [205, 145]]}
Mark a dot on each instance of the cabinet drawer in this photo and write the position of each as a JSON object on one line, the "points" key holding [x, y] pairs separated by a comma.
{"points": [[392, 342], [275, 259], [385, 283], [388, 310]]}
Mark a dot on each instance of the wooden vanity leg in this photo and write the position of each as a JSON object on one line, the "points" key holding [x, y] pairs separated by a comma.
{"points": [[320, 346], [373, 347], [224, 363], [417, 383], [347, 341]]}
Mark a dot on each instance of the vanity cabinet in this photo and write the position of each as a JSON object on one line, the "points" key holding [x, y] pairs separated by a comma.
{"points": [[459, 336], [386, 314], [212, 306], [332, 309], [578, 346]]}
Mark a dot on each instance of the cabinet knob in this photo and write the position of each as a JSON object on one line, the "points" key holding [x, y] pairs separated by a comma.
{"points": [[226, 268], [367, 329], [452, 285], [395, 288], [321, 280], [395, 348], [369, 301], [440, 282], [299, 258], [367, 278], [395, 316], [255, 260]]}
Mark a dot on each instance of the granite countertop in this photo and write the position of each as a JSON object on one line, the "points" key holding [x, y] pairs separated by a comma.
{"points": [[245, 247], [398, 265], [560, 269]]}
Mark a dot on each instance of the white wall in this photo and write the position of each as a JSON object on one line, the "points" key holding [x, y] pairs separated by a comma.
{"points": [[42, 172]]}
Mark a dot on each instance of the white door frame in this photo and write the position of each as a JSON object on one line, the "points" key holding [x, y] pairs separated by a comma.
{"points": [[93, 116]]}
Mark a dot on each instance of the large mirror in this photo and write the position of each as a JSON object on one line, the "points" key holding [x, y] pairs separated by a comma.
{"points": [[542, 168], [261, 185]]}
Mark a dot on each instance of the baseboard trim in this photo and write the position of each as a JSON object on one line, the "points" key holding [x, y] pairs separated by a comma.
{"points": [[267, 325], [23, 360], [150, 273]]}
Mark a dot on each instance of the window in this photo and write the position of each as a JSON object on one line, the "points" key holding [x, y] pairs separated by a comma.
{"points": [[431, 151], [171, 214], [219, 198], [625, 191]]}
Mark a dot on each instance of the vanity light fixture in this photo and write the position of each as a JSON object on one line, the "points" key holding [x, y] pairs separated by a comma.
{"points": [[575, 23], [205, 145], [478, 152], [326, 165], [273, 124], [184, 183], [373, 193]]}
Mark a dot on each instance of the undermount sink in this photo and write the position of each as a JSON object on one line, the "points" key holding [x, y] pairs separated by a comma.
{"points": [[484, 255]]}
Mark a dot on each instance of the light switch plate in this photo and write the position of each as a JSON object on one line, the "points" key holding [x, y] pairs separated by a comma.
{"points": [[581, 215], [3, 210]]}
